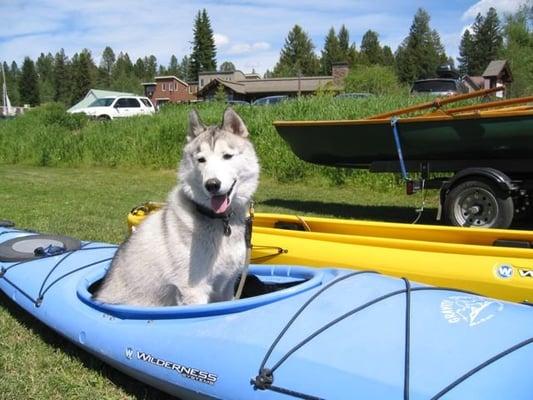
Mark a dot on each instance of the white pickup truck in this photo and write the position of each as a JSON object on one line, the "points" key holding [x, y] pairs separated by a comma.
{"points": [[117, 107]]}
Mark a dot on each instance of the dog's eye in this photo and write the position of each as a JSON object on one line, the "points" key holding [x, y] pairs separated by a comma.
{"points": [[201, 159], [227, 156]]}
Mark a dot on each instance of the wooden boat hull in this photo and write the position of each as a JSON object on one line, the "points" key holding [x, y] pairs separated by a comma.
{"points": [[435, 137]]}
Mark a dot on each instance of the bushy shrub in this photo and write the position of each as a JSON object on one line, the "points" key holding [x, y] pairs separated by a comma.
{"points": [[375, 79]]}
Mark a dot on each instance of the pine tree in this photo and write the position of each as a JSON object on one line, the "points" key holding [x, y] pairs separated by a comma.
{"points": [[488, 41], [150, 67], [421, 52], [371, 52], [388, 57], [344, 41], [184, 69], [139, 69], [331, 52], [297, 55], [29, 84], [466, 52], [83, 75], [123, 75], [173, 66], [61, 78], [203, 56], [44, 67], [106, 67], [348, 52]]}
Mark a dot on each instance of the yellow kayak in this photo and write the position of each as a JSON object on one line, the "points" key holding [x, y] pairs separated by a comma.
{"points": [[491, 262]]}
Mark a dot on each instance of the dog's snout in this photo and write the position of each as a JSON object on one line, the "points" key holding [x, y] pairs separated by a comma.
{"points": [[212, 185]]}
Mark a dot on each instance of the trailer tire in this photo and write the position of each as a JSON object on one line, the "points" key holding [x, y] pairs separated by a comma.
{"points": [[478, 203]]}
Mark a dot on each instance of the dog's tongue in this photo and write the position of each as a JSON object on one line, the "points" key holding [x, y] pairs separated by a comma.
{"points": [[219, 204]]}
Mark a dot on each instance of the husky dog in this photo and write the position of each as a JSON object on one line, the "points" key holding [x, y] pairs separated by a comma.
{"points": [[193, 250]]}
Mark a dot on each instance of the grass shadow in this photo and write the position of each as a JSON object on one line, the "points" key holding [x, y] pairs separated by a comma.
{"points": [[131, 386], [375, 213], [341, 210]]}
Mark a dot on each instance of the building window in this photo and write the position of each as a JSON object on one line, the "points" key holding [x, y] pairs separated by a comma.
{"points": [[164, 87], [202, 82]]}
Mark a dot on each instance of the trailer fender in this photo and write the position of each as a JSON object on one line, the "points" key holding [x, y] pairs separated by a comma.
{"points": [[501, 180]]}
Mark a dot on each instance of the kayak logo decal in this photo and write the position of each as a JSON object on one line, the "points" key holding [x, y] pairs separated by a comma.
{"points": [[525, 273], [188, 372], [472, 310], [504, 271]]}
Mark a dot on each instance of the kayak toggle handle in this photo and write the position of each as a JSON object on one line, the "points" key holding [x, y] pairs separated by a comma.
{"points": [[50, 250], [264, 380]]}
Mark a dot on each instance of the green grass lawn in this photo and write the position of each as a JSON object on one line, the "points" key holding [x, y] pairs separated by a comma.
{"points": [[92, 204]]}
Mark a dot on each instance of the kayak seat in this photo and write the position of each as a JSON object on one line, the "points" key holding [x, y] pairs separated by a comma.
{"points": [[256, 287]]}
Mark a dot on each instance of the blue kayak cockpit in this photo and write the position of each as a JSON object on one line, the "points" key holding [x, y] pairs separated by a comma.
{"points": [[281, 282]]}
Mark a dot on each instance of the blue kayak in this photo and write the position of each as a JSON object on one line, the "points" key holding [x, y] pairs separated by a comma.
{"points": [[301, 333]]}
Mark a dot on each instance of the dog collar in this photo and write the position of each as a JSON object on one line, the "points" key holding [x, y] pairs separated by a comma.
{"points": [[225, 217]]}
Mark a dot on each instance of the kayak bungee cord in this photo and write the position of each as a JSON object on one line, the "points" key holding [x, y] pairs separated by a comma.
{"points": [[40, 295], [265, 378], [12, 231], [481, 366], [279, 250]]}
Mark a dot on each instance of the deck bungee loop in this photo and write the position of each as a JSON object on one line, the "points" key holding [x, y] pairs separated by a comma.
{"points": [[43, 289], [265, 378]]}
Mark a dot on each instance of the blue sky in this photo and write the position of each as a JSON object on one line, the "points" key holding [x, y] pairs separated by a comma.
{"points": [[250, 33]]}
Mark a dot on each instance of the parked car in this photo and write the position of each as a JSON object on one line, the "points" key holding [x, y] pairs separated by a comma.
{"points": [[238, 102], [269, 100], [118, 107], [353, 95], [439, 86]]}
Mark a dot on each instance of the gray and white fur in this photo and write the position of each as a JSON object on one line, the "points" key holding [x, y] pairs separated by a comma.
{"points": [[181, 255]]}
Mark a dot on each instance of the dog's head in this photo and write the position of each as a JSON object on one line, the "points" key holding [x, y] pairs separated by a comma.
{"points": [[219, 167]]}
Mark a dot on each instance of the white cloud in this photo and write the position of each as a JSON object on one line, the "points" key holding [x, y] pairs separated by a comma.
{"points": [[220, 39], [242, 48], [501, 6]]}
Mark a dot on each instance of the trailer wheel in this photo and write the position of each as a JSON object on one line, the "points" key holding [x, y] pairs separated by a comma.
{"points": [[478, 203]]}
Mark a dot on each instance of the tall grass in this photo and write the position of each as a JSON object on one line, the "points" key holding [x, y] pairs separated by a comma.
{"points": [[48, 136]]}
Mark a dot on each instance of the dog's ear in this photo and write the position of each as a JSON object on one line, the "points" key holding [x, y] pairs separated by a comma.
{"points": [[233, 123], [196, 126]]}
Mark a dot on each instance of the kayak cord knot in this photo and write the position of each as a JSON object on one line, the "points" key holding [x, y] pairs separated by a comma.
{"points": [[263, 380]]}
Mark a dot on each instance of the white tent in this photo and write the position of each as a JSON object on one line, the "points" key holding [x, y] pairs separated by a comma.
{"points": [[94, 94]]}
